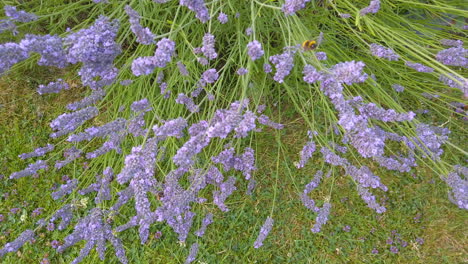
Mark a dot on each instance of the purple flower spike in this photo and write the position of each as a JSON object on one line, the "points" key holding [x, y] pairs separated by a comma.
{"points": [[222, 18], [383, 52], [254, 49], [290, 7], [373, 8], [264, 231]]}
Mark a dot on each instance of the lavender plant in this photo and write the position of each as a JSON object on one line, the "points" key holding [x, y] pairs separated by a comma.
{"points": [[179, 124]]}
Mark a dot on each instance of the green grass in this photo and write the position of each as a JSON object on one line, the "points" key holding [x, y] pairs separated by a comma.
{"points": [[25, 118]]}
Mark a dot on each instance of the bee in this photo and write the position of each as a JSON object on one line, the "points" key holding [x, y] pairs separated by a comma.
{"points": [[309, 45], [160, 195]]}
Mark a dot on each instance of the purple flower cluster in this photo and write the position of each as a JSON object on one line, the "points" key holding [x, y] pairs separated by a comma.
{"points": [[49, 47], [162, 56], [451, 42], [290, 7], [53, 87], [455, 82], [455, 56], [197, 6], [70, 155], [311, 75], [193, 253], [182, 69], [96, 231], [96, 48], [65, 213], [102, 186], [264, 231], [242, 71], [10, 54], [222, 18], [30, 170], [144, 35], [418, 67], [373, 8], [383, 52], [93, 98], [284, 63], [306, 200], [254, 50], [208, 47], [65, 189], [321, 55], [20, 16], [188, 102], [37, 152], [16, 244], [306, 152], [207, 220], [398, 88], [67, 123], [322, 217]]}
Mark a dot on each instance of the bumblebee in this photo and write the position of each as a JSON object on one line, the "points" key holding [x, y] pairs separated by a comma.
{"points": [[309, 45]]}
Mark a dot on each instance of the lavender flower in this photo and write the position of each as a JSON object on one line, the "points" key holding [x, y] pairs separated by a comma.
{"points": [[459, 186], [242, 71], [162, 56], [311, 75], [306, 153], [8, 25], [344, 15], [430, 139], [171, 128], [370, 200], [65, 189], [193, 253], [222, 18], [254, 50], [283, 63], [188, 102], [197, 6], [94, 229], [451, 42], [373, 8], [144, 35], [349, 72], [322, 217], [210, 76], [267, 68], [37, 152], [30, 170], [16, 244], [53, 87], [70, 155], [67, 123], [321, 55], [264, 231], [206, 221], [290, 7], [418, 67], [142, 105], [208, 47], [455, 82], [20, 16], [96, 48], [182, 69], [93, 98], [49, 47], [383, 52], [370, 110], [456, 56], [102, 186], [226, 189], [398, 88], [10, 54]]}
